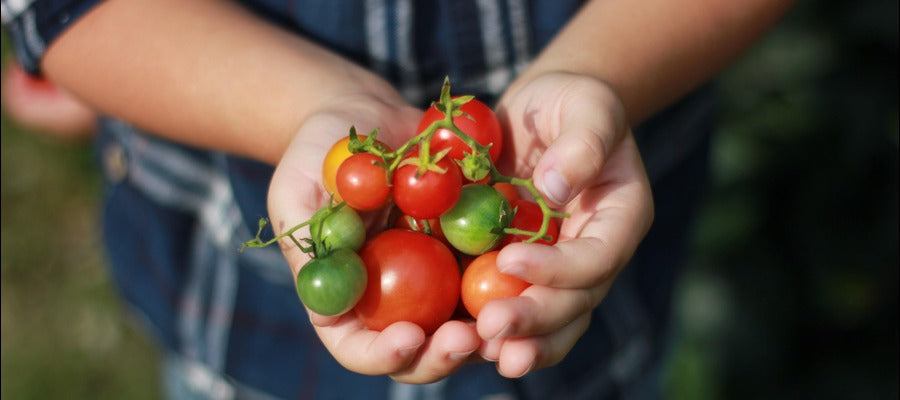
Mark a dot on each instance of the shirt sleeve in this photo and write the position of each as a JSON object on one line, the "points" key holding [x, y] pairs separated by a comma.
{"points": [[34, 24]]}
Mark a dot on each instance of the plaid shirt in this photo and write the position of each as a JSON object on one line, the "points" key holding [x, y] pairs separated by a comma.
{"points": [[231, 324]]}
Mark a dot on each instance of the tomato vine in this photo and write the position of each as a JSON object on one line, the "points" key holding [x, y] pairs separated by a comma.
{"points": [[475, 166]]}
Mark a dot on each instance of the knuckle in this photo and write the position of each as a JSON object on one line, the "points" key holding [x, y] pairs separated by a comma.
{"points": [[586, 301], [593, 148], [602, 268]]}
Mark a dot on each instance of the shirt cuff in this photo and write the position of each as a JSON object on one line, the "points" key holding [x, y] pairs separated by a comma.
{"points": [[34, 25]]}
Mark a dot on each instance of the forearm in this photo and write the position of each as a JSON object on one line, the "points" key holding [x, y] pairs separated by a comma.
{"points": [[206, 73], [652, 52]]}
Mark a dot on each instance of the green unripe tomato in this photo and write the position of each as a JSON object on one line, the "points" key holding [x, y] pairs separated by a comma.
{"points": [[343, 229], [475, 224], [332, 284]]}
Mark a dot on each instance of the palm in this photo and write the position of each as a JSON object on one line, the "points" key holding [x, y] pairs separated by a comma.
{"points": [[296, 192]]}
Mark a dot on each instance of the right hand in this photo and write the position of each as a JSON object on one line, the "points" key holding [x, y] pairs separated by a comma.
{"points": [[401, 350]]}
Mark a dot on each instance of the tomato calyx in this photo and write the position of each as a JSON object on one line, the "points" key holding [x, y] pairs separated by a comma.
{"points": [[475, 166], [425, 162], [367, 145]]}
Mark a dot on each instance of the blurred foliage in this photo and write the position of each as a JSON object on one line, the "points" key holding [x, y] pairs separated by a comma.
{"points": [[791, 290], [792, 287], [64, 332]]}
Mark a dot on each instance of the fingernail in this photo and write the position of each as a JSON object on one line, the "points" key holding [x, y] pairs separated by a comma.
{"points": [[456, 356], [490, 350], [527, 370], [406, 352], [503, 333], [511, 269], [555, 186]]}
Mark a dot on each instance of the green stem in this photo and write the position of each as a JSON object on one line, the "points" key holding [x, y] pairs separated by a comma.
{"points": [[547, 212], [257, 242], [317, 247], [449, 107]]}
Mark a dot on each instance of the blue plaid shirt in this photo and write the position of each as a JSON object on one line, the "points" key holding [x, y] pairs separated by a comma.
{"points": [[231, 324]]}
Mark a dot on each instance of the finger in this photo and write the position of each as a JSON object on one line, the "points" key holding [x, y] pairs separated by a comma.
{"points": [[490, 349], [294, 195], [372, 352], [443, 353], [576, 263], [322, 320], [608, 221], [591, 122], [287, 209], [520, 356], [539, 310]]}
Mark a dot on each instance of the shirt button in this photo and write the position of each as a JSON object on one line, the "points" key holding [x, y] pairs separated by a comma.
{"points": [[114, 163]]}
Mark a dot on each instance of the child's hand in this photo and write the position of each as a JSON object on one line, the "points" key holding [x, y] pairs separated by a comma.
{"points": [[41, 105], [571, 131], [401, 350]]}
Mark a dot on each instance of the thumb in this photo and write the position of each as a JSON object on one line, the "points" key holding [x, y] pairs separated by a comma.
{"points": [[293, 198], [591, 124], [295, 194]]}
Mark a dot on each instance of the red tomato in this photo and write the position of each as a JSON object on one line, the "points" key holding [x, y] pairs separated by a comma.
{"points": [[528, 217], [333, 159], [484, 127], [508, 190], [411, 277], [430, 195], [362, 183], [483, 282]]}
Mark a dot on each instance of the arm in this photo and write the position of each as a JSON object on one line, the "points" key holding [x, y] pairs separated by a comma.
{"points": [[653, 52], [615, 64], [206, 73]]}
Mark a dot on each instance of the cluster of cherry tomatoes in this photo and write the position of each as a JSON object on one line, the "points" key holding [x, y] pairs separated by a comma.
{"points": [[451, 212]]}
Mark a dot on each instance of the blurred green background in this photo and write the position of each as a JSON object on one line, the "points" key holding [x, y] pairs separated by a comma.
{"points": [[791, 288], [65, 335]]}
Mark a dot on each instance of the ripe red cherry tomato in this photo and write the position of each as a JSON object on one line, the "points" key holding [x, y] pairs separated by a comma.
{"points": [[362, 183], [429, 195], [508, 190], [333, 159], [528, 218], [411, 277], [483, 282], [484, 127]]}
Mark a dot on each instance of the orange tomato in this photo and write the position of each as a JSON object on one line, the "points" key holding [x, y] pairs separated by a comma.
{"points": [[483, 282]]}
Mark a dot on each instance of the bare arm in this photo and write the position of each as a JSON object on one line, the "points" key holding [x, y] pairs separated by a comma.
{"points": [[652, 52], [206, 73]]}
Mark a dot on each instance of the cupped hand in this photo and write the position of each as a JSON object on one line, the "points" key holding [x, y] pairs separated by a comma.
{"points": [[568, 132], [401, 350]]}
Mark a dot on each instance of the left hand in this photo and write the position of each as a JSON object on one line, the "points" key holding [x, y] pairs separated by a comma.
{"points": [[569, 132]]}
